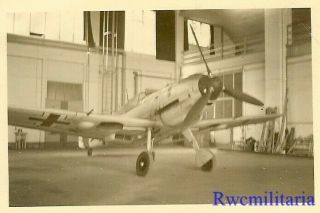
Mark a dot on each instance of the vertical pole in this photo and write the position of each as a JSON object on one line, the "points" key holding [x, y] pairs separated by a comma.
{"points": [[261, 143], [116, 69], [86, 98], [149, 139], [179, 50], [112, 63], [221, 42], [103, 61], [233, 100], [88, 80], [135, 80], [107, 57], [231, 137], [245, 45], [123, 76]]}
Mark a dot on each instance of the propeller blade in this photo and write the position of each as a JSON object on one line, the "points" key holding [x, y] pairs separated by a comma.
{"points": [[242, 96], [196, 110], [195, 38]]}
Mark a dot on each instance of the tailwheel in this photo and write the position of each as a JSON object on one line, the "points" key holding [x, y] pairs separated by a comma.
{"points": [[89, 152], [143, 164]]}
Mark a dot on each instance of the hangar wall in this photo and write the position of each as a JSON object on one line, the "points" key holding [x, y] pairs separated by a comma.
{"points": [[300, 112], [150, 72], [33, 62], [30, 66]]}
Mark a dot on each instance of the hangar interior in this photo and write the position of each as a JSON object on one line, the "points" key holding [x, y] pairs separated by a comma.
{"points": [[98, 60]]}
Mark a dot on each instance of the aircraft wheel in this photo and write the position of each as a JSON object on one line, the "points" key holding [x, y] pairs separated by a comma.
{"points": [[207, 167], [143, 164], [89, 152]]}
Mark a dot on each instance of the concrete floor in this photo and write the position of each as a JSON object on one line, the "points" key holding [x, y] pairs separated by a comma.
{"points": [[68, 177]]}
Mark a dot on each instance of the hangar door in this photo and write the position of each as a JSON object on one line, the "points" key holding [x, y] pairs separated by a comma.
{"points": [[67, 96]]}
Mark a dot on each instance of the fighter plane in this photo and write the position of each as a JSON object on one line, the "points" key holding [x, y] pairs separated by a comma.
{"points": [[175, 109]]}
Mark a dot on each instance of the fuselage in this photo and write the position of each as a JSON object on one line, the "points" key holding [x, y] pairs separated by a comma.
{"points": [[171, 104]]}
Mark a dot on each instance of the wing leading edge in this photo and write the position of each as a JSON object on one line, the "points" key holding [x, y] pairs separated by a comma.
{"points": [[76, 123], [219, 124]]}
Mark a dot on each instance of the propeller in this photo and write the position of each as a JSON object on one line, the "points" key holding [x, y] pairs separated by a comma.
{"points": [[215, 83], [196, 110], [242, 96], [205, 62]]}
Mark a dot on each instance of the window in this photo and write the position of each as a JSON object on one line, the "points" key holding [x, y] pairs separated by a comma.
{"points": [[140, 32], [202, 32], [119, 27], [62, 26], [64, 91], [165, 35]]}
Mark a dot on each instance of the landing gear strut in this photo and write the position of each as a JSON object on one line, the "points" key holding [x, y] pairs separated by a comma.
{"points": [[89, 152], [143, 161], [205, 159], [207, 167], [86, 145]]}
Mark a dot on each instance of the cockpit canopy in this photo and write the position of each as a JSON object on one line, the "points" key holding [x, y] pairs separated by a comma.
{"points": [[137, 99]]}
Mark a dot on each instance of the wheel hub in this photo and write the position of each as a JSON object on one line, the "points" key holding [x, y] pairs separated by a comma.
{"points": [[142, 164]]}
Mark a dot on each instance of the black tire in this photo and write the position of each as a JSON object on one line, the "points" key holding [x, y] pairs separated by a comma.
{"points": [[89, 152], [142, 164], [207, 167]]}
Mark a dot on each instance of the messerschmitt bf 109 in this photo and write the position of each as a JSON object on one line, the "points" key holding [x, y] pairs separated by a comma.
{"points": [[175, 109]]}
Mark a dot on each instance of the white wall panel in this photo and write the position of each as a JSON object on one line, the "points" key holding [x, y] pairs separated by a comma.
{"points": [[37, 22], [66, 26], [52, 26], [78, 27], [64, 71], [300, 112], [254, 84], [24, 88], [140, 32], [129, 84], [22, 23], [10, 22], [22, 81]]}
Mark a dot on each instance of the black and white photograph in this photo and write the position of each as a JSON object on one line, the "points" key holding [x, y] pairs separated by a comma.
{"points": [[160, 107]]}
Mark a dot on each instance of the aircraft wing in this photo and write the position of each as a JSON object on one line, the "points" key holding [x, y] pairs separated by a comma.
{"points": [[219, 124], [77, 123]]}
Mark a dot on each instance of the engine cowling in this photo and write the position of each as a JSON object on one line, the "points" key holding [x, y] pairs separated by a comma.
{"points": [[172, 116]]}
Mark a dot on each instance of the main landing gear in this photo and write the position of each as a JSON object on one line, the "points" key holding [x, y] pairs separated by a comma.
{"points": [[146, 157], [89, 152], [84, 143], [205, 159]]}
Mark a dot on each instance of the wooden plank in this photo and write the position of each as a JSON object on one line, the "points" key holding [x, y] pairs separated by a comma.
{"points": [[281, 139], [262, 140], [290, 141]]}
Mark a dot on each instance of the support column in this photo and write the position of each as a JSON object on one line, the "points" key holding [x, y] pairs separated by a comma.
{"points": [[179, 40], [218, 40], [276, 21]]}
